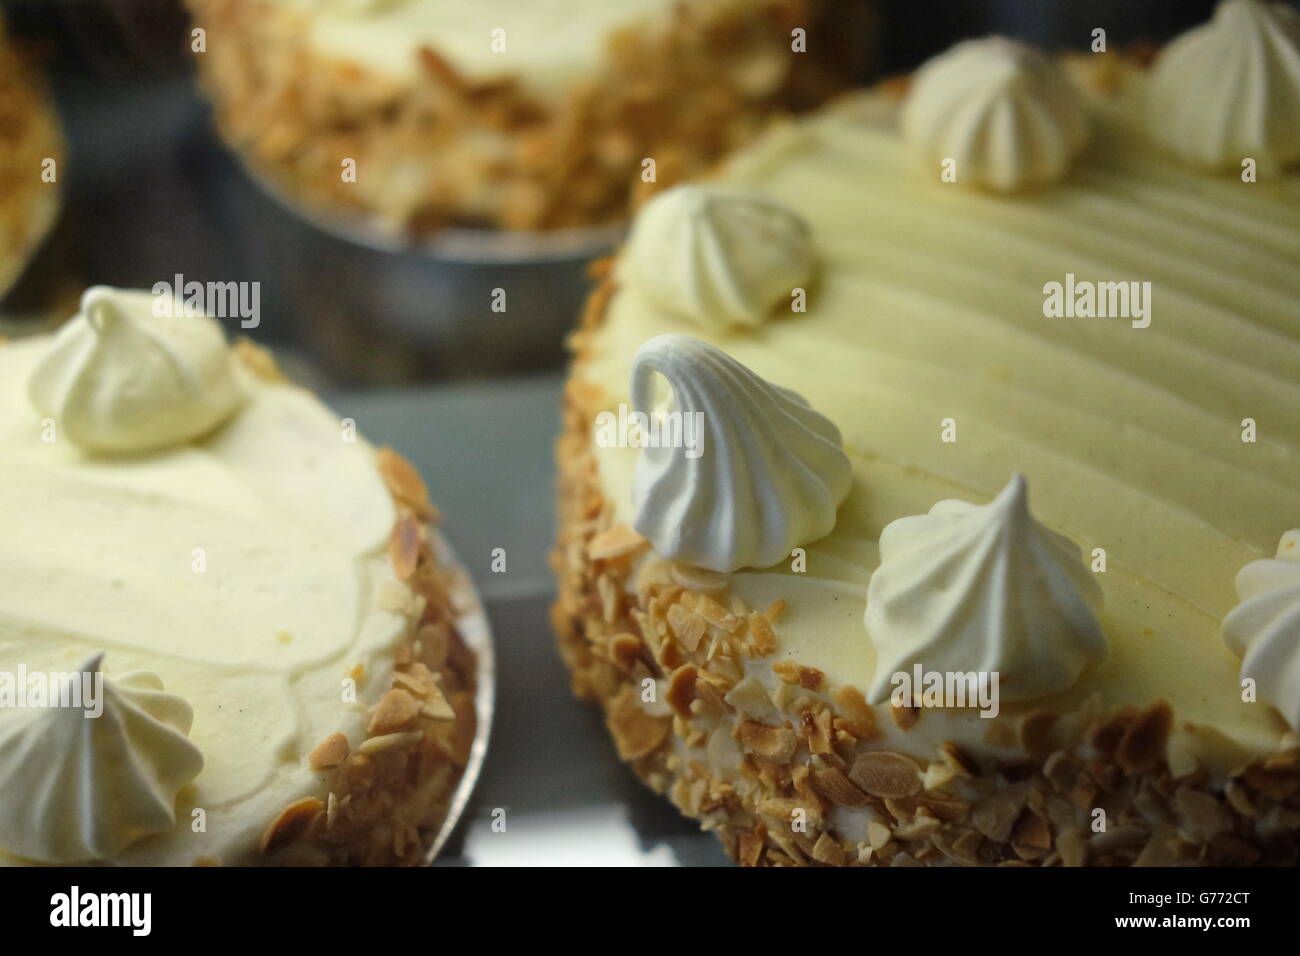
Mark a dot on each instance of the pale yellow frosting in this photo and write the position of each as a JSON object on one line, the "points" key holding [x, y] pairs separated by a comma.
{"points": [[551, 43], [929, 307], [247, 570]]}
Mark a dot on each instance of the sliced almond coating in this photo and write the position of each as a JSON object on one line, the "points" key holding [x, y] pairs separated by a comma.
{"points": [[437, 707], [395, 710], [716, 614], [374, 745], [858, 717], [905, 717], [414, 683], [996, 814], [404, 546], [258, 360], [883, 773], [681, 690], [688, 627], [878, 834], [1072, 844], [774, 743], [405, 483], [1142, 745], [697, 579], [290, 824], [775, 609], [1032, 830], [837, 788], [762, 639], [635, 732], [615, 542], [960, 760], [827, 850], [330, 752], [1202, 816], [751, 698], [749, 848], [625, 651]]}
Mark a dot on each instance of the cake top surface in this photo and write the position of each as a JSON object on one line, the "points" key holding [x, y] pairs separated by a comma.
{"points": [[550, 43], [245, 568], [1167, 435]]}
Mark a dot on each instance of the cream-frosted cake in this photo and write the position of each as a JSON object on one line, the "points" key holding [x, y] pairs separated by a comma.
{"points": [[928, 486], [30, 142], [536, 115], [228, 633]]}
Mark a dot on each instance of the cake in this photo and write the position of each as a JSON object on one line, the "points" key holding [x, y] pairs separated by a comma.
{"points": [[29, 141], [928, 480], [531, 116], [230, 633]]}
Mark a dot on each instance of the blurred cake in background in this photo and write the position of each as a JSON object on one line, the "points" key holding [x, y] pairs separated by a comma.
{"points": [[29, 136], [990, 374], [525, 116], [280, 651]]}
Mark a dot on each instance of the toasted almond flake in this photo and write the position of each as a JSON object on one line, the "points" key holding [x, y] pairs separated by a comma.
{"points": [[395, 710], [762, 639], [750, 698], [330, 752], [1142, 745], [412, 683], [883, 773], [689, 628], [290, 824], [405, 483], [905, 717], [437, 707], [878, 834], [837, 788], [382, 742], [681, 690], [857, 716], [827, 851], [404, 546], [615, 542], [787, 671], [996, 814], [749, 848], [636, 733], [775, 743], [1031, 830], [716, 614], [697, 579], [775, 609]]}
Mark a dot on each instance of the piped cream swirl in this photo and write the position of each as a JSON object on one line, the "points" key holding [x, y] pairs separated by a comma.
{"points": [[120, 379], [1230, 89], [1004, 113], [983, 588], [770, 474], [718, 257], [1264, 629], [76, 788]]}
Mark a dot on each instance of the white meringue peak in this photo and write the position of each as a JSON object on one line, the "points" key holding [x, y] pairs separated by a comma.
{"points": [[983, 588], [1230, 89], [120, 379], [718, 257], [1007, 115], [1264, 629], [770, 475], [76, 788]]}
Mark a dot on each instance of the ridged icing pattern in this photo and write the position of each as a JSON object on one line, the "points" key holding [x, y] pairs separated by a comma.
{"points": [[1133, 437], [983, 588], [770, 475], [1230, 89], [1264, 629], [76, 788], [718, 257], [1006, 114], [118, 378]]}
